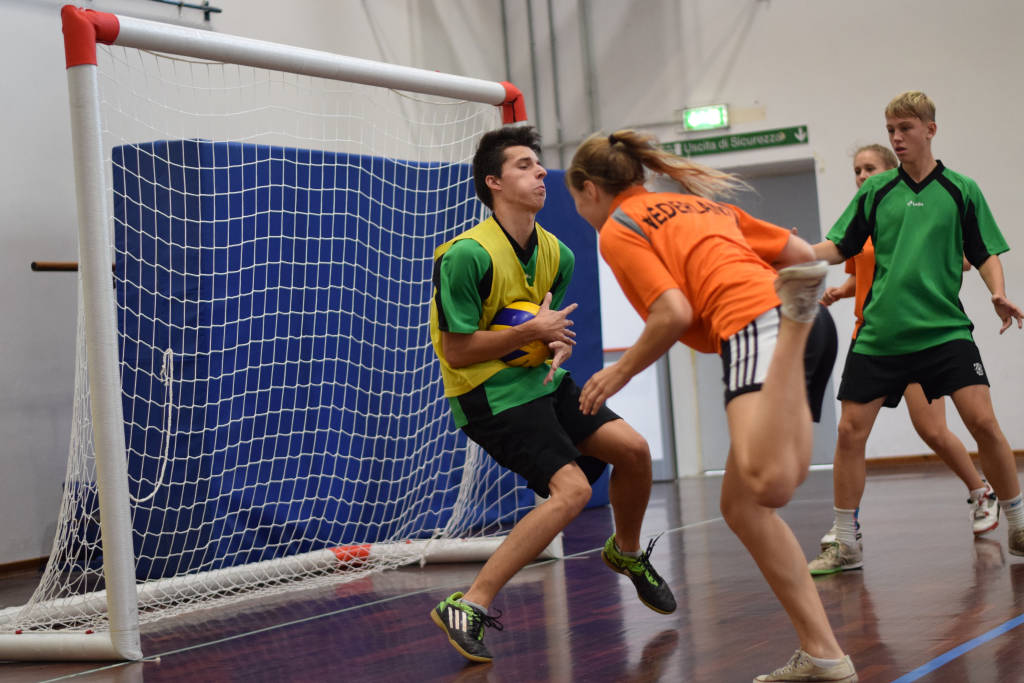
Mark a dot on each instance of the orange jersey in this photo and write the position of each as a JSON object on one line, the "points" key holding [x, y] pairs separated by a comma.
{"points": [[716, 254], [862, 268]]}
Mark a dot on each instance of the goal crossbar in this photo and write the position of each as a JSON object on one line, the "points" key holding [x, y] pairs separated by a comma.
{"points": [[84, 28]]}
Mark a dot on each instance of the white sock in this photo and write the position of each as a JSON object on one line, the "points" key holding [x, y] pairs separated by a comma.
{"points": [[822, 663], [1013, 510], [632, 553], [978, 493], [846, 526], [464, 601]]}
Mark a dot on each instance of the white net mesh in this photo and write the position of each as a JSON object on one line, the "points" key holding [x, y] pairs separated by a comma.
{"points": [[284, 416]]}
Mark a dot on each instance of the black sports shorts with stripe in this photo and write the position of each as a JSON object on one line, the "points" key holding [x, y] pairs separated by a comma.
{"points": [[747, 354]]}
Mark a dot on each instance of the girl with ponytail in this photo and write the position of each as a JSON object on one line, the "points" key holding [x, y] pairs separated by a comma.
{"points": [[715, 278]]}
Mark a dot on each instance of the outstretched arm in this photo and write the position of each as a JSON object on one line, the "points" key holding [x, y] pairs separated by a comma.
{"points": [[667, 320], [992, 273]]}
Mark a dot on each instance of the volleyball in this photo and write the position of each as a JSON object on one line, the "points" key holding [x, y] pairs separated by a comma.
{"points": [[528, 355]]}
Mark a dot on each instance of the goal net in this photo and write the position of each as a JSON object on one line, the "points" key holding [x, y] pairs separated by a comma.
{"points": [[257, 403]]}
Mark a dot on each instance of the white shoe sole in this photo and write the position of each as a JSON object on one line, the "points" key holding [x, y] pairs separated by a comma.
{"points": [[986, 529], [799, 307]]}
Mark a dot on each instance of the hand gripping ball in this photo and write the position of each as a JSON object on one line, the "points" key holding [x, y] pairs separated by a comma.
{"points": [[528, 355]]}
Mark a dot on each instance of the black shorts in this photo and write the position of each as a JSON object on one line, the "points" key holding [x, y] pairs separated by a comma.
{"points": [[819, 359], [891, 400], [538, 438], [748, 353], [940, 370]]}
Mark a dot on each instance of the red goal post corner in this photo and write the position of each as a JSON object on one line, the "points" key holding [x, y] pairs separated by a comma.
{"points": [[83, 28], [513, 109]]}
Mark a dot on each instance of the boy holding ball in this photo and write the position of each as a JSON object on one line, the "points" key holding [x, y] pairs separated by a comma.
{"points": [[528, 418]]}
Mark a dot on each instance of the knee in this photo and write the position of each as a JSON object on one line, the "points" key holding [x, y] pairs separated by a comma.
{"points": [[740, 512], [774, 492], [771, 485], [851, 435], [933, 436], [571, 495], [635, 455], [984, 428]]}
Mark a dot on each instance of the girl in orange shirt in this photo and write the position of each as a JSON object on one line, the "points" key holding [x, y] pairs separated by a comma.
{"points": [[703, 272]]}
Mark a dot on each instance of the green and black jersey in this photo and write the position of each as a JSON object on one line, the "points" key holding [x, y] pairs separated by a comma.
{"points": [[476, 275], [920, 231]]}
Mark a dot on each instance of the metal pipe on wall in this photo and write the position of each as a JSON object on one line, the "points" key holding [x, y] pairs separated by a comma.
{"points": [[533, 66], [589, 82], [555, 88], [504, 40]]}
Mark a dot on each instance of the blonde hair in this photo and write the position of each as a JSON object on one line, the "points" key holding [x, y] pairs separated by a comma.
{"points": [[912, 103], [886, 154], [616, 162]]}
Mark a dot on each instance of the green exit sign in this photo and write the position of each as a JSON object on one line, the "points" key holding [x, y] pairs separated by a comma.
{"points": [[706, 118]]}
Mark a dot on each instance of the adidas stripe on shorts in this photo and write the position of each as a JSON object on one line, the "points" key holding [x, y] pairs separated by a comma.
{"points": [[747, 354]]}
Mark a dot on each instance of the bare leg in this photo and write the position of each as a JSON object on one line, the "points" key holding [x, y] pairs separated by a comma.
{"points": [[570, 491], [849, 471], [770, 454], [629, 487], [929, 420], [778, 555], [974, 403], [770, 429]]}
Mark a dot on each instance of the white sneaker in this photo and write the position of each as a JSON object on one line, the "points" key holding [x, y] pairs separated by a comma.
{"points": [[799, 288], [801, 668], [830, 536], [837, 557], [1016, 541], [984, 512]]}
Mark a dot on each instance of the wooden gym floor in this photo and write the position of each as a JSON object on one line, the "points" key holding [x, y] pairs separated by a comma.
{"points": [[931, 604]]}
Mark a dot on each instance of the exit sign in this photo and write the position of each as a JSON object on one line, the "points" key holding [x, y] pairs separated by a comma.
{"points": [[796, 135], [706, 118]]}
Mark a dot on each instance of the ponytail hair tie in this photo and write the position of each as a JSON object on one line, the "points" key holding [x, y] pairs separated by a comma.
{"points": [[612, 139]]}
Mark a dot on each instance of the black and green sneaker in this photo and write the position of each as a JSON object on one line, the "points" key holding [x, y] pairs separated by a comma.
{"points": [[652, 590], [464, 626]]}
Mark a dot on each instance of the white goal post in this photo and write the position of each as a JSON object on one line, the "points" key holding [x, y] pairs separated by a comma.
{"points": [[257, 405]]}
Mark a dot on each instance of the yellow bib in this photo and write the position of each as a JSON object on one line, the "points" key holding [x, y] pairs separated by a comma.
{"points": [[509, 283]]}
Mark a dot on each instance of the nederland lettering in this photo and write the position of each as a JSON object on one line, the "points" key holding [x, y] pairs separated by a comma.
{"points": [[658, 214]]}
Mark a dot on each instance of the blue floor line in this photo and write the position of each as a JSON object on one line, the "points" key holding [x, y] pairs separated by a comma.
{"points": [[949, 656]]}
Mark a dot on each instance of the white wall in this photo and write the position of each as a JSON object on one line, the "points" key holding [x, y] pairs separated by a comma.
{"points": [[831, 66]]}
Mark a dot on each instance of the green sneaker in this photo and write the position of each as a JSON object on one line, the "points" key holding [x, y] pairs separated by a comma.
{"points": [[652, 590], [464, 626]]}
